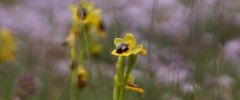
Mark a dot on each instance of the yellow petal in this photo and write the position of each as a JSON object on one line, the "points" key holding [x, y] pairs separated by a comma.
{"points": [[93, 18], [74, 10], [130, 39], [73, 7], [143, 51], [134, 88], [70, 40], [137, 49], [118, 41]]}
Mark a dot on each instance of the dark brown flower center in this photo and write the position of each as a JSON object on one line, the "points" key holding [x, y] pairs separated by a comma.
{"points": [[122, 48]]}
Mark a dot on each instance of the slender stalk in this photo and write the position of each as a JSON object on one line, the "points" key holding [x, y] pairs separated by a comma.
{"points": [[77, 57], [73, 74], [73, 84], [119, 79], [121, 92], [116, 88], [131, 61]]}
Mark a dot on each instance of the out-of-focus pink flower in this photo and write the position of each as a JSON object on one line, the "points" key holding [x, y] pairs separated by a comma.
{"points": [[231, 51], [27, 84]]}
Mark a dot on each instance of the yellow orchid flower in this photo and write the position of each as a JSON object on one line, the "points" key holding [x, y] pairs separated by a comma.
{"points": [[94, 20], [7, 45], [127, 46], [91, 18]]}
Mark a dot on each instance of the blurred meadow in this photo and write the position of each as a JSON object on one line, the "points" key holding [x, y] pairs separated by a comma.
{"points": [[193, 49]]}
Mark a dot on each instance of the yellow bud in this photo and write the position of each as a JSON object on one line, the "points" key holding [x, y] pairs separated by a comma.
{"points": [[134, 88], [82, 76]]}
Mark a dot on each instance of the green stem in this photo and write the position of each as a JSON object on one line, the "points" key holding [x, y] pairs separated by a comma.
{"points": [[116, 88], [73, 84], [119, 79], [76, 59], [131, 61], [121, 92]]}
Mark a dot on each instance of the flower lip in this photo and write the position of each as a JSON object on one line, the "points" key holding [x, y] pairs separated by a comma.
{"points": [[123, 47]]}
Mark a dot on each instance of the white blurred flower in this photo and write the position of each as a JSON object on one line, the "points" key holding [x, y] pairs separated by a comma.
{"points": [[136, 17], [237, 18], [171, 74], [62, 67], [225, 83], [168, 3], [231, 51], [38, 19], [189, 88]]}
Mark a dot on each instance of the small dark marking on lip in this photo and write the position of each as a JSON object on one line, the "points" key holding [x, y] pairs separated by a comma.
{"points": [[122, 48], [82, 13]]}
